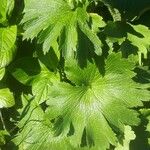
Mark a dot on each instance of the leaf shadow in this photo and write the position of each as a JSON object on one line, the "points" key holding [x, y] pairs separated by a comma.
{"points": [[141, 141]]}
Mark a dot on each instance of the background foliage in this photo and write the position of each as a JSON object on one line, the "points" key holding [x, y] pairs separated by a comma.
{"points": [[74, 74]]}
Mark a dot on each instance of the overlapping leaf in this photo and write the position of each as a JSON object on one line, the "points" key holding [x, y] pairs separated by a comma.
{"points": [[7, 45], [93, 105], [6, 7], [36, 131], [50, 20], [134, 39], [3, 133], [6, 98], [97, 103], [88, 110], [7, 50], [128, 137], [32, 73]]}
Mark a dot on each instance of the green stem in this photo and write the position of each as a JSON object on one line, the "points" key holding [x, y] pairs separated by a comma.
{"points": [[2, 120]]}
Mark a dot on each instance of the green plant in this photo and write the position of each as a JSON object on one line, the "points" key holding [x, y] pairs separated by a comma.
{"points": [[74, 74]]}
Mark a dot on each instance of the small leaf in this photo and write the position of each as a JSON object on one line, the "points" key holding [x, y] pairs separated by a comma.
{"points": [[7, 45], [10, 6], [32, 72], [3, 133], [6, 8], [143, 42], [128, 137], [136, 37], [42, 86], [6, 98], [97, 22], [25, 69]]}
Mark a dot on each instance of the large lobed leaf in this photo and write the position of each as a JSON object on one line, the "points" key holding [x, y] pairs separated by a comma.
{"points": [[96, 103], [50, 20], [97, 107]]}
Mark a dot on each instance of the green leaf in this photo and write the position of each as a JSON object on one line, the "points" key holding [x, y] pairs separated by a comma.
{"points": [[10, 6], [96, 103], [128, 137], [50, 59], [116, 31], [36, 75], [6, 98], [43, 84], [97, 22], [134, 37], [41, 136], [25, 70], [55, 19], [7, 45], [3, 7], [142, 42], [6, 7], [3, 133]]}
